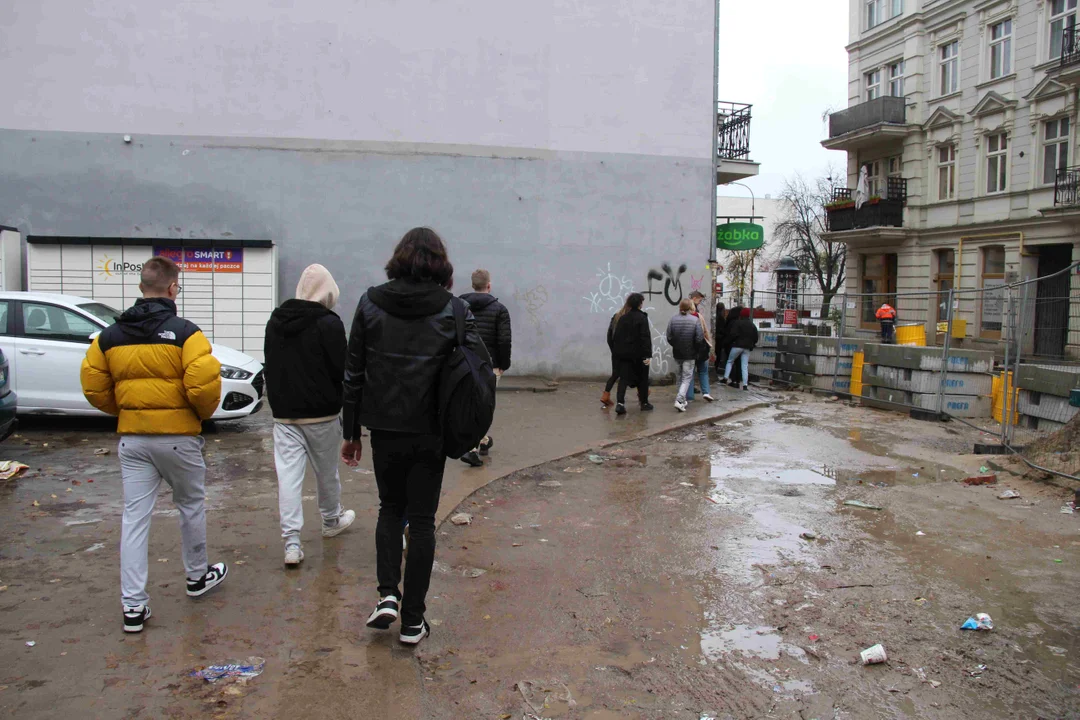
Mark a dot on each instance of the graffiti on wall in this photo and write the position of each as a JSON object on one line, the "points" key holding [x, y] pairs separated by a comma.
{"points": [[534, 300], [662, 359], [672, 287], [608, 294], [610, 291]]}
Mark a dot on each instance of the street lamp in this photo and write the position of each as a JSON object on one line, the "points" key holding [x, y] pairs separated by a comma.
{"points": [[753, 258]]}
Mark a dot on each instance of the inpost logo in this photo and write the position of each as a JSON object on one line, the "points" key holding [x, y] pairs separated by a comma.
{"points": [[107, 267]]}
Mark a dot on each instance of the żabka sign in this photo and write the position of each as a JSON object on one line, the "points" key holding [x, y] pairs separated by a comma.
{"points": [[739, 236]]}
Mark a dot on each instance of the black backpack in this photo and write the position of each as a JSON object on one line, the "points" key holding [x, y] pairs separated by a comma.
{"points": [[466, 394]]}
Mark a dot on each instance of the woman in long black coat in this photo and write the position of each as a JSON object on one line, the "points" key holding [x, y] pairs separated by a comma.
{"points": [[631, 345]]}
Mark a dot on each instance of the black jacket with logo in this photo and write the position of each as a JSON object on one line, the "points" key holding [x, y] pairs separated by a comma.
{"points": [[305, 361], [402, 333], [493, 324]]}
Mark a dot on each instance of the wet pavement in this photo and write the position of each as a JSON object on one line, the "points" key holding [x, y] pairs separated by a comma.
{"points": [[716, 572], [710, 570], [59, 571]]}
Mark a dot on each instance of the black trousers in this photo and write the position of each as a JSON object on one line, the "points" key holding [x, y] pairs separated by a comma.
{"points": [[633, 372], [614, 375], [409, 473]]}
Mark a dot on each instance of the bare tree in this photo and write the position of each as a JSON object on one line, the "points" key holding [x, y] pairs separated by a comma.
{"points": [[800, 234], [740, 264]]}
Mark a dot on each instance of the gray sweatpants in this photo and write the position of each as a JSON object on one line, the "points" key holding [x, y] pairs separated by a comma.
{"points": [[294, 447], [146, 460]]}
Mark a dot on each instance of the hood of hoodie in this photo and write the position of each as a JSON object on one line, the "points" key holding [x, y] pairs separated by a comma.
{"points": [[295, 316], [478, 300], [317, 285], [409, 298], [146, 315]]}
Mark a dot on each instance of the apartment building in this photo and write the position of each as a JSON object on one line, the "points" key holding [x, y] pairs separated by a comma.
{"points": [[963, 115]]}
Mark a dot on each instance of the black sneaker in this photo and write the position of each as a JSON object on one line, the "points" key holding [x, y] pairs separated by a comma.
{"points": [[471, 458], [384, 614], [646, 407], [412, 635], [134, 617], [215, 575], [486, 444], [620, 409]]}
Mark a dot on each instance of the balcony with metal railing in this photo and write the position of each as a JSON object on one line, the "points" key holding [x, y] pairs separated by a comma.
{"points": [[1067, 188], [1069, 67], [882, 210], [733, 143], [874, 122]]}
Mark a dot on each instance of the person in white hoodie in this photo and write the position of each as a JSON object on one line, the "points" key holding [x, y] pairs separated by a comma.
{"points": [[305, 352]]}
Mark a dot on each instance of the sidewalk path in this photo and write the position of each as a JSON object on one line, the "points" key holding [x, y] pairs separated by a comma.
{"points": [[58, 570], [536, 427]]}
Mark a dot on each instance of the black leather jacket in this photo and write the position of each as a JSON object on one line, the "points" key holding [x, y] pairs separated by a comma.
{"points": [[401, 335]]}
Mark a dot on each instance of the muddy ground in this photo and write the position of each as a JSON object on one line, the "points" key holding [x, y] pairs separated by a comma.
{"points": [[672, 582], [669, 581]]}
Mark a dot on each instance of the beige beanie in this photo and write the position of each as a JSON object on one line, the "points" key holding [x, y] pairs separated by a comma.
{"points": [[317, 285]]}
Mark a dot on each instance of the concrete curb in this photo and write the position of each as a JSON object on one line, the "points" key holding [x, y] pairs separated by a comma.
{"points": [[444, 513]]}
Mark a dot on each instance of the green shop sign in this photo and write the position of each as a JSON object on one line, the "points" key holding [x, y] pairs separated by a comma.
{"points": [[739, 236]]}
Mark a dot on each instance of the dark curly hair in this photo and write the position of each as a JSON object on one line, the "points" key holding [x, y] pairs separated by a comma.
{"points": [[421, 256]]}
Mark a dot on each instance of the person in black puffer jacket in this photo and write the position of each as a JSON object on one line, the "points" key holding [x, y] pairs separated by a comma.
{"points": [[743, 338], [402, 334], [631, 344], [728, 337], [305, 365], [493, 324]]}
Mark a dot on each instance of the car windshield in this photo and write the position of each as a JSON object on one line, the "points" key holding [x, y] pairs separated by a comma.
{"points": [[102, 312]]}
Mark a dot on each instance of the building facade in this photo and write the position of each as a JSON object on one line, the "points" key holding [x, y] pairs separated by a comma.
{"points": [[962, 114], [570, 149]]}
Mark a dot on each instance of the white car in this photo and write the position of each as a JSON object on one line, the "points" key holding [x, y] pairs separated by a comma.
{"points": [[45, 338]]}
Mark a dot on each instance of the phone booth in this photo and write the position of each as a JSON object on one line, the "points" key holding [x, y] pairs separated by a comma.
{"points": [[787, 293]]}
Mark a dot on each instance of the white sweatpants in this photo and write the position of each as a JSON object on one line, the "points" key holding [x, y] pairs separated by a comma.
{"points": [[294, 447]]}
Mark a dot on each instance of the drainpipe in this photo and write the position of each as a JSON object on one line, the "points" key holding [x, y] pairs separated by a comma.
{"points": [[715, 136]]}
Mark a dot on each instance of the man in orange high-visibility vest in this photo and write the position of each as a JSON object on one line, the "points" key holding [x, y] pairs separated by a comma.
{"points": [[886, 315]]}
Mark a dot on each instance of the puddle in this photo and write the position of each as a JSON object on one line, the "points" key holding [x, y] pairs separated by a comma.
{"points": [[760, 641]]}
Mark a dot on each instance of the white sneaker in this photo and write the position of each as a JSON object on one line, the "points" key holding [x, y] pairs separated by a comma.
{"points": [[709, 398], [385, 613], [294, 555], [414, 634], [340, 525], [680, 406]]}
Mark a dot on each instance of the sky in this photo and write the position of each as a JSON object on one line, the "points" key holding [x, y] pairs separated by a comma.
{"points": [[787, 59]]}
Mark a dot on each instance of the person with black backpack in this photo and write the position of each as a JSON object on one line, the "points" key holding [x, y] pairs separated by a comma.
{"points": [[419, 378]]}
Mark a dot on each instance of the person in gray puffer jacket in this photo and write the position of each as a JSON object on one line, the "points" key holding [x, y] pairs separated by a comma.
{"points": [[686, 338]]}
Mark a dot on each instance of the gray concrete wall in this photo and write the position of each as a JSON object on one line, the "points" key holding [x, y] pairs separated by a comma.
{"points": [[620, 76], [566, 235]]}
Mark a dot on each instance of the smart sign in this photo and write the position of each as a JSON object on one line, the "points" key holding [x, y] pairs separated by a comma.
{"points": [[739, 236]]}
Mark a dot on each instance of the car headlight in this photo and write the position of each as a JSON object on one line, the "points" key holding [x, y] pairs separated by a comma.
{"points": [[234, 373]]}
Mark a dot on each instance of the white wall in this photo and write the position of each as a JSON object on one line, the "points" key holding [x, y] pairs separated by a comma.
{"points": [[628, 76]]}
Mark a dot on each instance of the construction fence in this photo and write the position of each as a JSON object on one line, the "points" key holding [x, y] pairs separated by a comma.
{"points": [[1004, 358]]}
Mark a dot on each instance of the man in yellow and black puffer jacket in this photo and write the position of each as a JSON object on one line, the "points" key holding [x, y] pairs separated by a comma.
{"points": [[156, 371]]}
